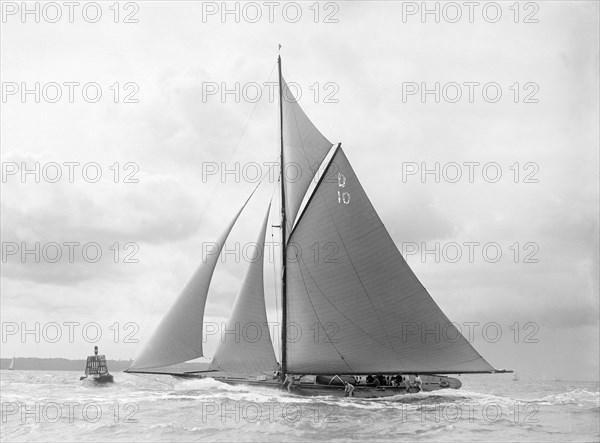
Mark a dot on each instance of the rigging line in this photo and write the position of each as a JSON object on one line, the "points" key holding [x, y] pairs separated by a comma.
{"points": [[236, 145], [196, 227], [264, 239], [307, 161], [319, 178], [243, 207], [354, 267], [300, 135], [251, 114], [224, 241], [302, 145], [298, 129], [275, 279], [310, 167], [290, 222], [422, 289], [350, 320], [317, 316], [391, 347], [418, 290]]}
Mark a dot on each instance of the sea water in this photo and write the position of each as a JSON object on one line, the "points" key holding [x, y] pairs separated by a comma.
{"points": [[56, 406]]}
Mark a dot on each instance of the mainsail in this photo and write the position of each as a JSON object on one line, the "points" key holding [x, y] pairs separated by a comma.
{"points": [[304, 150], [246, 345], [178, 337], [354, 305]]}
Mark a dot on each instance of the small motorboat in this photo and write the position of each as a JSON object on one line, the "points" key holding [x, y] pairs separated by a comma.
{"points": [[96, 370]]}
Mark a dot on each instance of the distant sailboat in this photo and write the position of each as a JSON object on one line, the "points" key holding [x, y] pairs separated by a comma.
{"points": [[516, 377], [362, 317], [11, 366]]}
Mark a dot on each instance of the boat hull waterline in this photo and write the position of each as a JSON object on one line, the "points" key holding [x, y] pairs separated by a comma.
{"points": [[105, 378], [308, 385]]}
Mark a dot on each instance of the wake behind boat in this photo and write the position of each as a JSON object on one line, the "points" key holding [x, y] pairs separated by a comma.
{"points": [[361, 324]]}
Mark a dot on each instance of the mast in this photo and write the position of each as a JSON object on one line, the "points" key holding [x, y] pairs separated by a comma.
{"points": [[283, 235]]}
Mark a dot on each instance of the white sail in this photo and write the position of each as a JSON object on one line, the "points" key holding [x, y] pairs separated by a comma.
{"points": [[178, 337], [354, 305], [304, 150], [11, 366], [246, 345]]}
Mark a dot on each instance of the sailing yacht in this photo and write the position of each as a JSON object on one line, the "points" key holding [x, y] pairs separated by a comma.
{"points": [[11, 366], [362, 317]]}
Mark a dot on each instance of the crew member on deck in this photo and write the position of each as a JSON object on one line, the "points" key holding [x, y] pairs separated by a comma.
{"points": [[289, 381], [406, 381], [418, 382], [349, 391]]}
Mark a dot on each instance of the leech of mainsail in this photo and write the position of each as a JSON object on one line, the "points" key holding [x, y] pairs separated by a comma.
{"points": [[305, 148], [356, 302], [178, 337], [245, 345]]}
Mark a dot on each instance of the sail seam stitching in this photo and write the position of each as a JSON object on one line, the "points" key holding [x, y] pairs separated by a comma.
{"points": [[317, 316]]}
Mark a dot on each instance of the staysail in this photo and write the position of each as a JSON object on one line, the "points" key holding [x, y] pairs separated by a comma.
{"points": [[178, 337], [304, 150], [246, 345], [354, 304]]}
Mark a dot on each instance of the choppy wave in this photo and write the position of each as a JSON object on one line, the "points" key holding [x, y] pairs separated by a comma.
{"points": [[161, 408]]}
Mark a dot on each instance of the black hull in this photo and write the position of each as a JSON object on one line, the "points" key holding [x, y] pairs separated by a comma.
{"points": [[106, 378], [308, 387]]}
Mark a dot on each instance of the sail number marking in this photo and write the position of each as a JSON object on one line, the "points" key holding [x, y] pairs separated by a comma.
{"points": [[343, 196]]}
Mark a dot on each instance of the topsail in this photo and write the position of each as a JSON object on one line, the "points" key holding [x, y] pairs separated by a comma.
{"points": [[304, 148]]}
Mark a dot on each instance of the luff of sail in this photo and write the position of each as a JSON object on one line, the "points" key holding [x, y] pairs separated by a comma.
{"points": [[178, 337], [304, 150], [356, 307], [246, 345]]}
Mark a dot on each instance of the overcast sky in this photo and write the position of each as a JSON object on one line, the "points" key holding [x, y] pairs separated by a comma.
{"points": [[361, 69]]}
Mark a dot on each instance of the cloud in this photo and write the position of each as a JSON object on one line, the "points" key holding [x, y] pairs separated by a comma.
{"points": [[173, 131], [46, 217]]}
